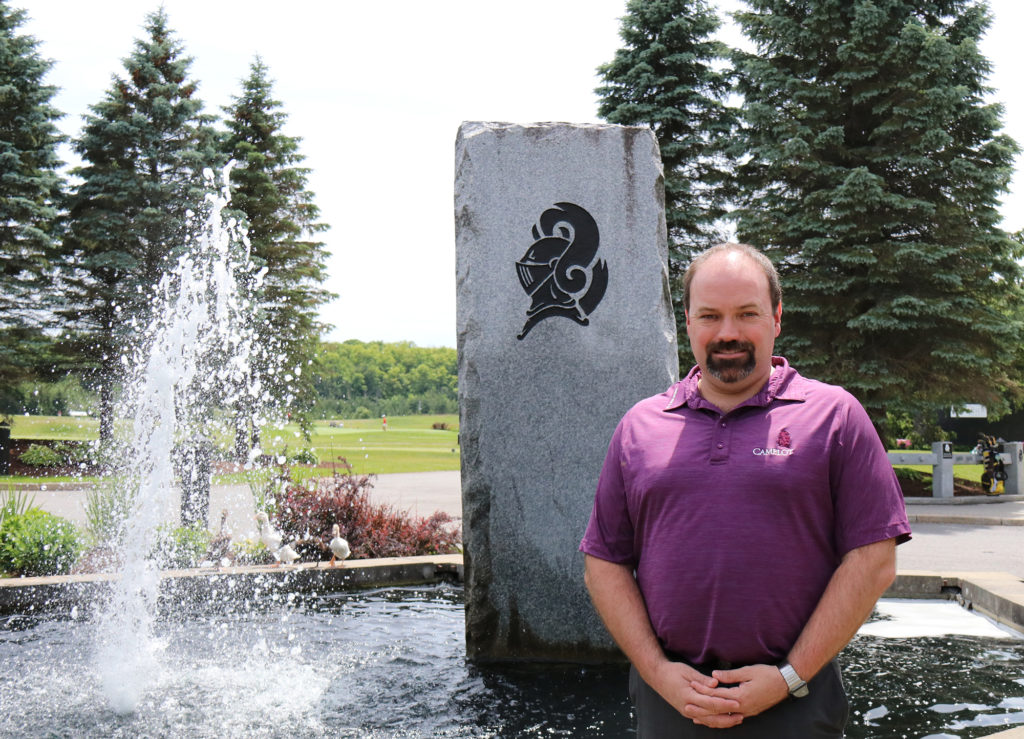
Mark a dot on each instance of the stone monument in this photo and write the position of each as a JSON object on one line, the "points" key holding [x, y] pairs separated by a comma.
{"points": [[564, 322]]}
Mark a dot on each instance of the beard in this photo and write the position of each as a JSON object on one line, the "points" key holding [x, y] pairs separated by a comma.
{"points": [[730, 370]]}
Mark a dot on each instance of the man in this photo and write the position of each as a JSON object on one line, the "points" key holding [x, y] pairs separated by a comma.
{"points": [[744, 526]]}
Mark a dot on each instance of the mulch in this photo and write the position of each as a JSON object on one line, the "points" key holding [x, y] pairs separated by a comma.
{"points": [[923, 488]]}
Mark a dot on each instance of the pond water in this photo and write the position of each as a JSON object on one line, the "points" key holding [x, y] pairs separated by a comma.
{"points": [[390, 663]]}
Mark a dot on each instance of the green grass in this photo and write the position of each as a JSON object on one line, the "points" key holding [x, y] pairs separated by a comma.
{"points": [[409, 445], [55, 427], [970, 472]]}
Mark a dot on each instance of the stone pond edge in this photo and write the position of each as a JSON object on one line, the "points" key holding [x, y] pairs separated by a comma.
{"points": [[998, 595]]}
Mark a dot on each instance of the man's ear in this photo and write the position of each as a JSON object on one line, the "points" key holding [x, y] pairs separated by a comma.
{"points": [[778, 319]]}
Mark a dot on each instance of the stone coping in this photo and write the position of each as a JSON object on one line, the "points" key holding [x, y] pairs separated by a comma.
{"points": [[1017, 733], [998, 595], [963, 500], [28, 595]]}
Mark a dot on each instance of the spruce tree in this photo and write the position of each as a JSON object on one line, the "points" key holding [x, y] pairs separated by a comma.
{"points": [[269, 192], [30, 188], [144, 147], [670, 75], [873, 174]]}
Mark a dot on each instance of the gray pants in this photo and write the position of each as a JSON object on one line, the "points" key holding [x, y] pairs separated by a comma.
{"points": [[820, 715]]}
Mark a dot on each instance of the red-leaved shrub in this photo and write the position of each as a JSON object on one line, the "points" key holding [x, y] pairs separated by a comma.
{"points": [[373, 530]]}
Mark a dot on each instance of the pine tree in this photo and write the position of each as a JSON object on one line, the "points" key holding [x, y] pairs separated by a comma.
{"points": [[30, 188], [873, 177], [269, 191], [669, 75], [144, 147]]}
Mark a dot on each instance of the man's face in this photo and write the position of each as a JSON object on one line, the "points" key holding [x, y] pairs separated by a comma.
{"points": [[731, 324]]}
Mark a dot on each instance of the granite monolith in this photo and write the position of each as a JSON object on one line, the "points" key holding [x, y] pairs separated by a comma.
{"points": [[564, 321]]}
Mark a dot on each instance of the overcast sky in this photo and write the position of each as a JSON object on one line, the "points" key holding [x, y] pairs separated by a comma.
{"points": [[377, 92]]}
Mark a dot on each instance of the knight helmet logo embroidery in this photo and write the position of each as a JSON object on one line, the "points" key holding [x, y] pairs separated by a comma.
{"points": [[784, 440], [559, 271]]}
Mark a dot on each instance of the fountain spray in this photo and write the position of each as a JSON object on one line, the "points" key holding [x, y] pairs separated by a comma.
{"points": [[194, 359]]}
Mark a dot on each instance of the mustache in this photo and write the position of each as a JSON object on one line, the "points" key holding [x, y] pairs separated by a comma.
{"points": [[730, 346]]}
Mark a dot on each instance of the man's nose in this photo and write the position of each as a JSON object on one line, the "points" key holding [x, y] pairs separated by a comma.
{"points": [[728, 328]]}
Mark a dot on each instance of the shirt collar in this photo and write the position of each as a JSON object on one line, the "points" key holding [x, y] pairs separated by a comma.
{"points": [[784, 384]]}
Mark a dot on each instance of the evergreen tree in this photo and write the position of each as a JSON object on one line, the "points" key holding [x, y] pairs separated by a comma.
{"points": [[873, 174], [144, 147], [669, 75], [30, 187], [269, 191]]}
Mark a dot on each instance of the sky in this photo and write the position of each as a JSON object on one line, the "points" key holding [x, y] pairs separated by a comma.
{"points": [[377, 92]]}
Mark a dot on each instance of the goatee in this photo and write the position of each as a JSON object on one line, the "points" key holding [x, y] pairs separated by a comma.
{"points": [[731, 370]]}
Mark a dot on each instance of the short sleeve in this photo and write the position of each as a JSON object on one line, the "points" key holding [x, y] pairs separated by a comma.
{"points": [[610, 533], [867, 496]]}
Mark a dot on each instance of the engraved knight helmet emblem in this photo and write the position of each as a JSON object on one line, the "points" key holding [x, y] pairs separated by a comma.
{"points": [[559, 271]]}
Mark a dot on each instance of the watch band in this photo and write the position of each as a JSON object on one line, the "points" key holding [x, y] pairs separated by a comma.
{"points": [[797, 686]]}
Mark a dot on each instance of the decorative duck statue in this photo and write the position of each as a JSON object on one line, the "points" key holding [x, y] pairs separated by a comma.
{"points": [[339, 547], [271, 539], [286, 555], [219, 553]]}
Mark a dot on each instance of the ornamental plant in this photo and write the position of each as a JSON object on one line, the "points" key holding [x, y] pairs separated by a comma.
{"points": [[372, 529], [40, 455], [38, 543]]}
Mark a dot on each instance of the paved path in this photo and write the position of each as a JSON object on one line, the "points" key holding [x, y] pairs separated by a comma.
{"points": [[965, 534], [420, 493]]}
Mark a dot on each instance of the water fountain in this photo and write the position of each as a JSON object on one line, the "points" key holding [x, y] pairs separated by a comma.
{"points": [[379, 663], [194, 355]]}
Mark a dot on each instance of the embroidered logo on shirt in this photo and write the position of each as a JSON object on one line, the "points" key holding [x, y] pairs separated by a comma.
{"points": [[783, 447]]}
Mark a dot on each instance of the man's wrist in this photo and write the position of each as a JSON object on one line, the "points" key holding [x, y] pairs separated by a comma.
{"points": [[796, 685]]}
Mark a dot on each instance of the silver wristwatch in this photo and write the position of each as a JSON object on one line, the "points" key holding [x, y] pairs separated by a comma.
{"points": [[797, 686]]}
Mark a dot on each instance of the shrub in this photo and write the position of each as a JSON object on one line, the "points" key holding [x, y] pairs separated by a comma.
{"points": [[181, 546], [107, 505], [372, 529], [38, 543], [56, 454], [39, 455], [303, 456], [14, 504], [251, 552]]}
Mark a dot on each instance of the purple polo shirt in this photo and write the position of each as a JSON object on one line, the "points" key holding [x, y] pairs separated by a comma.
{"points": [[734, 523]]}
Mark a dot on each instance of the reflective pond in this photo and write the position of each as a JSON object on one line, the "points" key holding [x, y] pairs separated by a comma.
{"points": [[391, 663]]}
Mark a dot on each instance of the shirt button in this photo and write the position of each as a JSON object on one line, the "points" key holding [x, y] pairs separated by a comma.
{"points": [[720, 446]]}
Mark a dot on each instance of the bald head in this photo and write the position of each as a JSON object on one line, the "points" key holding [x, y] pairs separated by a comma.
{"points": [[765, 265]]}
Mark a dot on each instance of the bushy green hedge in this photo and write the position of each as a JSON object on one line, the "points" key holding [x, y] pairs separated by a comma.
{"points": [[39, 455], [55, 454], [38, 543]]}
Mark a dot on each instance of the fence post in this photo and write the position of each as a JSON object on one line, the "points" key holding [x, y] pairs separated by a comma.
{"points": [[1015, 469], [942, 472]]}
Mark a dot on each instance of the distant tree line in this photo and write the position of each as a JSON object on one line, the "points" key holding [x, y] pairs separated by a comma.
{"points": [[80, 256], [356, 379], [350, 379], [856, 145]]}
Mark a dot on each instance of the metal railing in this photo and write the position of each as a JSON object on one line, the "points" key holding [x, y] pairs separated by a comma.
{"points": [[942, 458]]}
